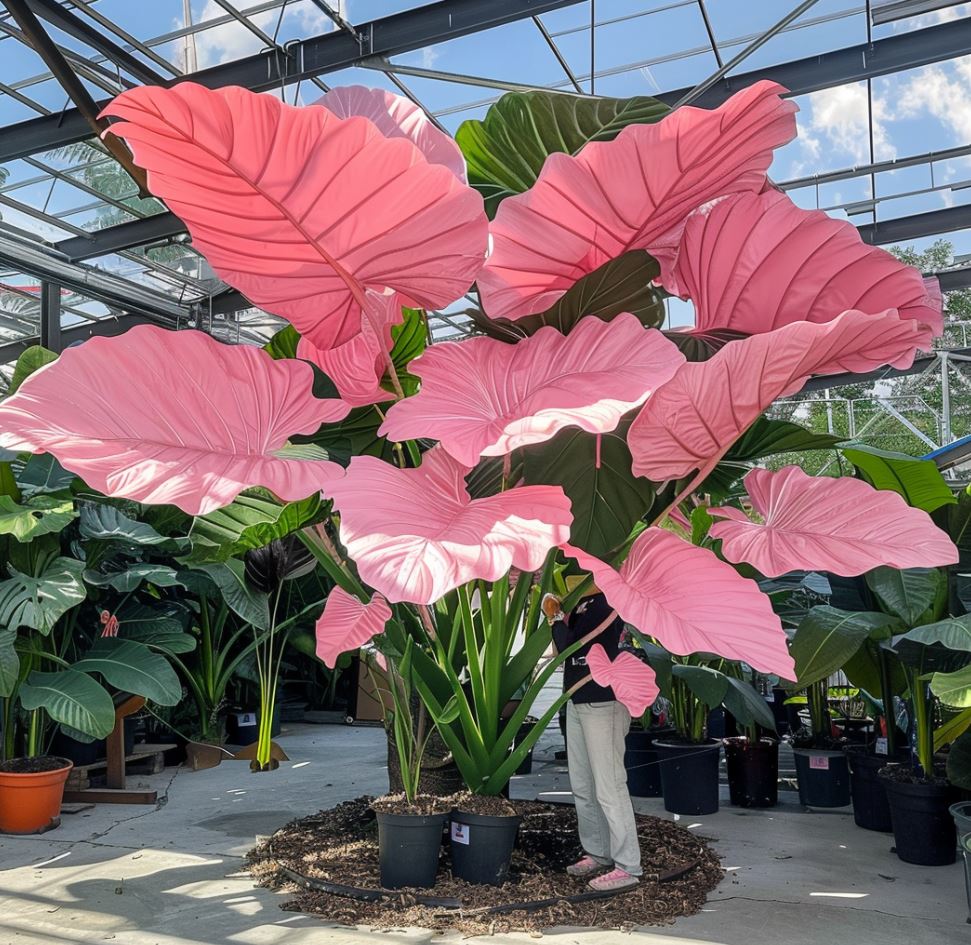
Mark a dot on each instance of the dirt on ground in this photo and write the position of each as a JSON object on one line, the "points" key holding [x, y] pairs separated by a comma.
{"points": [[340, 846]]}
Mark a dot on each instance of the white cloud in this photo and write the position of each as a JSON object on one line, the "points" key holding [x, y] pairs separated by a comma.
{"points": [[943, 92], [954, 12]]}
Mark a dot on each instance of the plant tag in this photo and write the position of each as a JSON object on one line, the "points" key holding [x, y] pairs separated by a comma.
{"points": [[819, 761], [246, 718], [882, 746], [460, 833]]}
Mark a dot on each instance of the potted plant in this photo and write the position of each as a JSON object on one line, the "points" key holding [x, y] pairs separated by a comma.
{"points": [[640, 757], [752, 758]]}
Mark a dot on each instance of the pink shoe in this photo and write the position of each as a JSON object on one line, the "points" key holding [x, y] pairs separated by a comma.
{"points": [[585, 867], [612, 881]]}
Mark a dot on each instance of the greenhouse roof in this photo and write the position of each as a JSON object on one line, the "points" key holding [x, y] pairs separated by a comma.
{"points": [[884, 90]]}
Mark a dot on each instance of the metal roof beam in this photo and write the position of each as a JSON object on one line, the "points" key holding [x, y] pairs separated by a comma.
{"points": [[917, 225], [11, 350], [389, 36], [113, 239]]}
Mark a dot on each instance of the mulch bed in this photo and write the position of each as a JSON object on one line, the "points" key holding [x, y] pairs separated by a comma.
{"points": [[340, 846]]}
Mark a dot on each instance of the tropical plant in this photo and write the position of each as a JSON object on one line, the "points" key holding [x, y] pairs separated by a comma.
{"points": [[570, 435]]}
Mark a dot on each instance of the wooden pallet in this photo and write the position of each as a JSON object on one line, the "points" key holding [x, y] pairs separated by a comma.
{"points": [[145, 759]]}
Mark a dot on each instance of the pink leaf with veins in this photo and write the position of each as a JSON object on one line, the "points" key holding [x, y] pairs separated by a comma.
{"points": [[825, 524], [397, 117], [755, 262], [416, 534], [629, 193], [632, 680], [692, 420], [300, 210], [691, 602], [173, 417], [346, 624], [483, 397]]}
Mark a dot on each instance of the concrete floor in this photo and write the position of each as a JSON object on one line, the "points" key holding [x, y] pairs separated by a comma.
{"points": [[170, 875]]}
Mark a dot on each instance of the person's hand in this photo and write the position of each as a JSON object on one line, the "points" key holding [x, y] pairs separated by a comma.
{"points": [[552, 608]]}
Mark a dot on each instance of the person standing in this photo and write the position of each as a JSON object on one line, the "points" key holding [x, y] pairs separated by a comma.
{"points": [[596, 726]]}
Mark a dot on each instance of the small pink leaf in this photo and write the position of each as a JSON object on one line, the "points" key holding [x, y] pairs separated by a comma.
{"points": [[825, 524], [416, 534], [397, 117], [300, 210], [755, 262], [691, 602], [483, 397], [629, 193], [346, 624], [631, 679], [692, 420], [173, 417]]}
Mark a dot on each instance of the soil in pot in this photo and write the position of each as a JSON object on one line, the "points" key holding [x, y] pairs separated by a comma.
{"points": [[31, 790], [689, 776], [923, 828], [823, 777], [482, 836], [871, 809], [753, 771], [409, 839]]}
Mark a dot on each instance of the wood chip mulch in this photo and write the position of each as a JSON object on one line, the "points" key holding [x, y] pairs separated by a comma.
{"points": [[340, 846]]}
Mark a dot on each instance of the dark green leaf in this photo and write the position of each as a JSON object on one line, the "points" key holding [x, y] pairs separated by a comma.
{"points": [[251, 605], [42, 474], [959, 762], [40, 515], [907, 593], [709, 686], [102, 522], [919, 481], [701, 345], [9, 661], [747, 705], [32, 359], [132, 667], [72, 698], [130, 576], [39, 599]]}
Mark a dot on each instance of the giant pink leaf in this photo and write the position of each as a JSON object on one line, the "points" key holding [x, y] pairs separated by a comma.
{"points": [[173, 417], [692, 420], [626, 194], [632, 680], [755, 262], [825, 524], [397, 117], [691, 602], [416, 534], [347, 623], [483, 397], [300, 210]]}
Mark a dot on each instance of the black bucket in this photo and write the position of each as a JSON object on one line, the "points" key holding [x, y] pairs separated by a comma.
{"points": [[481, 846], [408, 848], [824, 777], [753, 772], [689, 776], [923, 829], [641, 762], [871, 809]]}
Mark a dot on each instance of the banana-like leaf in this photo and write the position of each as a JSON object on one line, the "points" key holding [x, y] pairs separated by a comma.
{"points": [[102, 522], [130, 576], [133, 667], [40, 515], [72, 698], [954, 727], [251, 605], [37, 600], [919, 481], [708, 685], [747, 705], [908, 593], [953, 688]]}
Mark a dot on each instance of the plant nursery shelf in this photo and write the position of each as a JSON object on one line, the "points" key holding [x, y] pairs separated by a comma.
{"points": [[86, 781]]}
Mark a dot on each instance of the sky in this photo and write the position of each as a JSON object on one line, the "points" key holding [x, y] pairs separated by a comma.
{"points": [[667, 48]]}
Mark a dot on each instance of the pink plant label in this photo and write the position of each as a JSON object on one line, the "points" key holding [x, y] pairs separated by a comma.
{"points": [[819, 761]]}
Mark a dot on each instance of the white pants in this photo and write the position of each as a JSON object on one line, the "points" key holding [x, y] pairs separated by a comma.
{"points": [[595, 753]]}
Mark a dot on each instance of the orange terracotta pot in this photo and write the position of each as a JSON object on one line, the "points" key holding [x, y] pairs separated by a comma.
{"points": [[30, 803]]}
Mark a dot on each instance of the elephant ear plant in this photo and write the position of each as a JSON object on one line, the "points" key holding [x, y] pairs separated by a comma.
{"points": [[461, 480]]}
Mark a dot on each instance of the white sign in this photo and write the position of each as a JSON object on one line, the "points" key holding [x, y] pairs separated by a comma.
{"points": [[881, 746], [819, 761], [460, 833]]}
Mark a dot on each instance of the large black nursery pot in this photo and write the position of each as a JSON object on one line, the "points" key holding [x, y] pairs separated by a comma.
{"points": [[923, 828], [482, 846], [823, 777], [871, 808], [641, 761], [408, 848], [753, 771], [689, 776]]}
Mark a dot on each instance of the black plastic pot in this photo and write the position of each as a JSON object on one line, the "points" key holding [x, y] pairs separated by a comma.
{"points": [[481, 846], [871, 809], [689, 776], [242, 728], [823, 776], [87, 753], [780, 711], [753, 771], [408, 848], [923, 829], [641, 762]]}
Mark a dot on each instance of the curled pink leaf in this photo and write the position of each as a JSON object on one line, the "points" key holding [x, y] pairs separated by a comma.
{"points": [[691, 602], [692, 420], [632, 680], [300, 210], [820, 523], [347, 623], [483, 397], [416, 534], [173, 417], [755, 262], [625, 194]]}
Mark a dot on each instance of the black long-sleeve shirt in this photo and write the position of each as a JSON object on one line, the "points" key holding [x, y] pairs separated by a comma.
{"points": [[586, 616]]}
